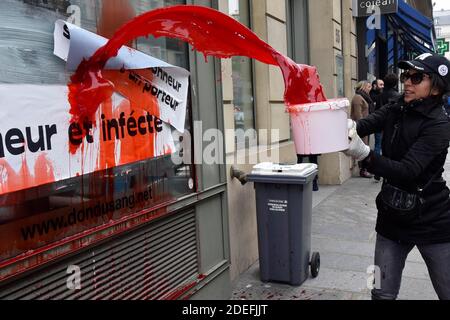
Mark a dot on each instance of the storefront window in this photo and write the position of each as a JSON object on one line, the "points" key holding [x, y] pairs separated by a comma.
{"points": [[244, 118], [36, 217]]}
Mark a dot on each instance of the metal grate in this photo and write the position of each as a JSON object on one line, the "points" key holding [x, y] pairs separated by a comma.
{"points": [[147, 263]]}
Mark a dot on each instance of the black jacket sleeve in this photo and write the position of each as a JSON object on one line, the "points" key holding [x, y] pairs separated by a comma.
{"points": [[373, 122], [432, 141]]}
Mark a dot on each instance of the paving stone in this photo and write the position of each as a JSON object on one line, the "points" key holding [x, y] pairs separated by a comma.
{"points": [[323, 194], [360, 296], [415, 256], [347, 262], [339, 280], [354, 232], [363, 248], [416, 289], [291, 293]]}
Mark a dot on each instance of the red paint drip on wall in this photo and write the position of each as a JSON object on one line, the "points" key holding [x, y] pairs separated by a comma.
{"points": [[208, 31]]}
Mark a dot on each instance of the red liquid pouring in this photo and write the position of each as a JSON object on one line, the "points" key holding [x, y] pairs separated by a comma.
{"points": [[208, 31]]}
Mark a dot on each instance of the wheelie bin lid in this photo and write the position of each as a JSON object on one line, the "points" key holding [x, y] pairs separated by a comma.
{"points": [[269, 172]]}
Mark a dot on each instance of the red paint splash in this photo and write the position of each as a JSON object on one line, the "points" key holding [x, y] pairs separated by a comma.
{"points": [[208, 31], [11, 181]]}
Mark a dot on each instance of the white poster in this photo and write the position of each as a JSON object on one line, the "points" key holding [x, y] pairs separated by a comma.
{"points": [[39, 145], [40, 142]]}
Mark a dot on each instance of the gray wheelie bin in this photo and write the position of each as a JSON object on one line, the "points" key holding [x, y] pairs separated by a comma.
{"points": [[283, 209]]}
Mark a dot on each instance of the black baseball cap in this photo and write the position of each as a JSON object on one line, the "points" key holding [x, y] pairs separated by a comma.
{"points": [[429, 63]]}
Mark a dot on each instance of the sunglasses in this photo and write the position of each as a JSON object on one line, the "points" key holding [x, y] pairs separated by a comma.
{"points": [[416, 78]]}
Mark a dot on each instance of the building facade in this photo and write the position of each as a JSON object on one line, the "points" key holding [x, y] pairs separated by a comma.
{"points": [[442, 26], [333, 49]]}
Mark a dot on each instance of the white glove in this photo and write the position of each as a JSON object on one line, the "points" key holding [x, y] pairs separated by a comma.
{"points": [[357, 148]]}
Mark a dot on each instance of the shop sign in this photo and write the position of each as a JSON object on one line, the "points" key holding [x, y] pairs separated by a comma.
{"points": [[442, 46], [365, 8]]}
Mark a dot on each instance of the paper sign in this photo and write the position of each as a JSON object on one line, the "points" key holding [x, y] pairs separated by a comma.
{"points": [[35, 132], [169, 84]]}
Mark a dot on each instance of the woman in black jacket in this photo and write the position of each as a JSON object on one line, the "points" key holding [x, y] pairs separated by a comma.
{"points": [[416, 134]]}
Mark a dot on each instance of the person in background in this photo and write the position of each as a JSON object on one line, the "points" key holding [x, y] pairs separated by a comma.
{"points": [[414, 201], [390, 94], [313, 158], [361, 103], [447, 104], [377, 90]]}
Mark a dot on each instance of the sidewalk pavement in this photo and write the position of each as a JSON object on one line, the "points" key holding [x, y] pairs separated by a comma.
{"points": [[343, 232]]}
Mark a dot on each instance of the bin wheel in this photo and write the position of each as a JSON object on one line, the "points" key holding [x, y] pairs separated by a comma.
{"points": [[315, 264]]}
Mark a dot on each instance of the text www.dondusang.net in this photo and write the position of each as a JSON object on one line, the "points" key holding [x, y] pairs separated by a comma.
{"points": [[85, 214]]}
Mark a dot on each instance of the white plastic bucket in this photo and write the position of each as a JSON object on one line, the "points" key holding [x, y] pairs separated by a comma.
{"points": [[320, 127]]}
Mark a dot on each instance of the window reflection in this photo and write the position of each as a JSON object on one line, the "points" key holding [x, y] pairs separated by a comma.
{"points": [[242, 79], [53, 5]]}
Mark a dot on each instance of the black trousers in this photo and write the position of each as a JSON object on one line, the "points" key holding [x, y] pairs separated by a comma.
{"points": [[312, 158], [390, 257]]}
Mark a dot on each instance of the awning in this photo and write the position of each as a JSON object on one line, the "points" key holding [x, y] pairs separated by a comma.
{"points": [[414, 28]]}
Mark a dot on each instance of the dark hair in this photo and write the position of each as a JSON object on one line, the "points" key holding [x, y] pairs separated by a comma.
{"points": [[375, 82], [390, 81], [438, 83]]}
